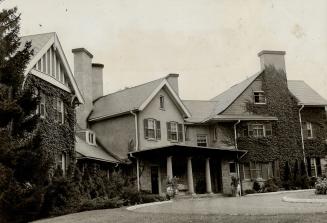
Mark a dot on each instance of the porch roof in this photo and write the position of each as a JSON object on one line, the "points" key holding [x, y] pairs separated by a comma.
{"points": [[242, 118], [187, 150]]}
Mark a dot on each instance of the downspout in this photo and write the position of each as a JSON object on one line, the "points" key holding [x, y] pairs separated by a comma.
{"points": [[302, 141], [236, 147], [136, 149]]}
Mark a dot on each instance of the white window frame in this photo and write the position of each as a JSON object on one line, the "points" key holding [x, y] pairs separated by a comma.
{"points": [[261, 94], [309, 130], [90, 135], [59, 111], [174, 130], [215, 133], [255, 127], [204, 137], [42, 106], [152, 127], [162, 102], [313, 163]]}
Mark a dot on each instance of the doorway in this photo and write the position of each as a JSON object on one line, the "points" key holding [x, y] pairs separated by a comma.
{"points": [[155, 180]]}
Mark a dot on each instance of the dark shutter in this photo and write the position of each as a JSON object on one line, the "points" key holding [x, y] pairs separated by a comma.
{"points": [[268, 128], [158, 130], [309, 167], [146, 133], [318, 166], [180, 133], [168, 131]]}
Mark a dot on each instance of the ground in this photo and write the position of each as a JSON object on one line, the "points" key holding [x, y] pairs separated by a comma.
{"points": [[265, 208]]}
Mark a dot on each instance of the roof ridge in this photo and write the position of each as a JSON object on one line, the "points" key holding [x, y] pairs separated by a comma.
{"points": [[38, 34], [128, 88], [202, 100]]}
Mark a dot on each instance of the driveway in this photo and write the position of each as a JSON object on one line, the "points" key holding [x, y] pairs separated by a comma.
{"points": [[263, 208], [248, 205]]}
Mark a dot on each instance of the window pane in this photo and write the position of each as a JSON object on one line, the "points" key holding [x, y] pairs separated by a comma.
{"points": [[202, 140]]}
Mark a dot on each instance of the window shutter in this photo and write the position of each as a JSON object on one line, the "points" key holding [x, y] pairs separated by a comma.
{"points": [[158, 130], [180, 132], [318, 166], [146, 133], [250, 130], [168, 131], [268, 129]]}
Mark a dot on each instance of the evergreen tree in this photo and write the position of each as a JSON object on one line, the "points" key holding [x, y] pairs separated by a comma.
{"points": [[23, 174]]}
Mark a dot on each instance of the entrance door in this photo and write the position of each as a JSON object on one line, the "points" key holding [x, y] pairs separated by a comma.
{"points": [[155, 179]]}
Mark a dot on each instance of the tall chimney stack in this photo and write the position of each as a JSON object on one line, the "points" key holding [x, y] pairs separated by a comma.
{"points": [[173, 81], [273, 58], [83, 76], [97, 80]]}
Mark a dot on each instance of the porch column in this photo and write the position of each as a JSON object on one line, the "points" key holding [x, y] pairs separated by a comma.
{"points": [[208, 176], [190, 176], [169, 167]]}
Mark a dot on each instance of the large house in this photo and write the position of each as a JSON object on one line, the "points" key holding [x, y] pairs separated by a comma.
{"points": [[49, 75], [251, 131]]}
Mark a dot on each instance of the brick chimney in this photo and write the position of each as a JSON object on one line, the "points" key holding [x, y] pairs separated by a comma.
{"points": [[97, 80], [173, 81], [83, 76]]}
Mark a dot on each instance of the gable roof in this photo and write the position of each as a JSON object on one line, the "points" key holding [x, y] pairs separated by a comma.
{"points": [[225, 99], [41, 43], [93, 152], [305, 94], [130, 99], [200, 109]]}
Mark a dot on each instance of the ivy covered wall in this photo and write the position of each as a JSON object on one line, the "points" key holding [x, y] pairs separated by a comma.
{"points": [[56, 137], [285, 143]]}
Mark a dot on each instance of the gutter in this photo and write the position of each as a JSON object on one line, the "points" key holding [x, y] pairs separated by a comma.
{"points": [[238, 165], [136, 149], [302, 141]]}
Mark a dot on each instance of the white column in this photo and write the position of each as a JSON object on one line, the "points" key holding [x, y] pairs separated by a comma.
{"points": [[169, 167], [138, 174], [190, 176], [208, 176]]}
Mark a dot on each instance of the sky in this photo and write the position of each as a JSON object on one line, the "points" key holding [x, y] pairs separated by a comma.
{"points": [[212, 44]]}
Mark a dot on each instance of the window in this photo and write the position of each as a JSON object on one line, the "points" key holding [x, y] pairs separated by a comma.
{"points": [[59, 110], [152, 129], [174, 132], [246, 174], [259, 130], [162, 102], [259, 97], [314, 167], [309, 129], [202, 140], [232, 167], [62, 162], [259, 170], [42, 106], [91, 138]]}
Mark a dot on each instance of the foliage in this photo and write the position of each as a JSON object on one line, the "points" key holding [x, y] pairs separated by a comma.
{"points": [[285, 143], [257, 186], [23, 170], [271, 185], [321, 186]]}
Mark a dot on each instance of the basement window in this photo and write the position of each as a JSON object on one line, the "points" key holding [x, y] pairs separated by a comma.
{"points": [[259, 97]]}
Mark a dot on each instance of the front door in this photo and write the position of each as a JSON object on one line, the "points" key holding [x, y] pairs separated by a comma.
{"points": [[155, 179]]}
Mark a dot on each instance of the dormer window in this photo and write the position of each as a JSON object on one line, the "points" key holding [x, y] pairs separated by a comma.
{"points": [[259, 97], [162, 102], [90, 138]]}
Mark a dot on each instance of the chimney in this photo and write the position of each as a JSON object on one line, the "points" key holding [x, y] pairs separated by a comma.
{"points": [[83, 76], [173, 81], [97, 80]]}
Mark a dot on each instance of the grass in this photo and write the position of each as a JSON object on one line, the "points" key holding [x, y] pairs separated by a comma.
{"points": [[123, 216]]}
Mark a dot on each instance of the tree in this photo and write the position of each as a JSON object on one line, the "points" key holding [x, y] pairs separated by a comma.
{"points": [[23, 175]]}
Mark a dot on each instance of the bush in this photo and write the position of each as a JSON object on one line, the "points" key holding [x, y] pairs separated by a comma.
{"points": [[256, 186], [101, 203], [251, 191], [270, 185], [321, 186]]}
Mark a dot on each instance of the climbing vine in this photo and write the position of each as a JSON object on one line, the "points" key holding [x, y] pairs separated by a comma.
{"points": [[285, 144], [56, 137]]}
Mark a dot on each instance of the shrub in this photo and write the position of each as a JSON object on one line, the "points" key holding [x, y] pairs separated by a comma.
{"points": [[321, 186], [256, 186], [271, 185], [101, 203], [251, 191]]}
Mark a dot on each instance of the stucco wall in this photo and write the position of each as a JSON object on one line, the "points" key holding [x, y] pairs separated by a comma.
{"points": [[239, 105], [225, 134], [170, 113], [226, 177], [116, 134]]}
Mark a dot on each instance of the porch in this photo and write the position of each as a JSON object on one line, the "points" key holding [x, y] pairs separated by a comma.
{"points": [[196, 170]]}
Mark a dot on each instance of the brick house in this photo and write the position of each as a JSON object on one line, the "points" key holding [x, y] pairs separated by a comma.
{"points": [[49, 75], [204, 143]]}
